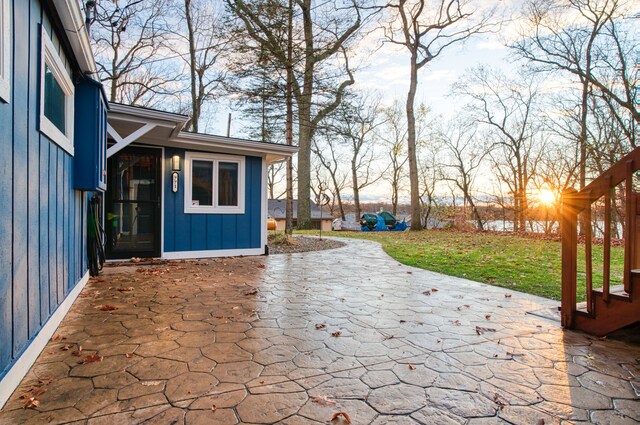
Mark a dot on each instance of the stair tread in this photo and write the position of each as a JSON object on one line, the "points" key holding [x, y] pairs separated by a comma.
{"points": [[614, 290]]}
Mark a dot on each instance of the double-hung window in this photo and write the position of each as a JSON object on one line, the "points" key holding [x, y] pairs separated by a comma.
{"points": [[56, 96], [5, 51], [214, 184]]}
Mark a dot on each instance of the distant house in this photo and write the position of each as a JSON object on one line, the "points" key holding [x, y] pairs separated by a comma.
{"points": [[277, 209], [52, 162]]}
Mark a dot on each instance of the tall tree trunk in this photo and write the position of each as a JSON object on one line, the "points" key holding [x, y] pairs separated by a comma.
{"points": [[416, 215], [195, 109], [356, 190], [289, 198]]}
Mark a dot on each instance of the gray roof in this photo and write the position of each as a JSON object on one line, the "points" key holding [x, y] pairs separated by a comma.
{"points": [[277, 208]]}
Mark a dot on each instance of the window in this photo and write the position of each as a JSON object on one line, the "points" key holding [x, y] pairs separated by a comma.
{"points": [[5, 52], [56, 97], [214, 184]]}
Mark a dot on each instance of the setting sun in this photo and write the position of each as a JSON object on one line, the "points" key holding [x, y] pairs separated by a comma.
{"points": [[547, 196]]}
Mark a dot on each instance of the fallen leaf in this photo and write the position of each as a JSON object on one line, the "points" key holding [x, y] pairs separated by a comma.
{"points": [[434, 289], [507, 295], [488, 317], [252, 292], [427, 292], [57, 337], [336, 333], [409, 272], [403, 321], [320, 326], [387, 337], [481, 330], [491, 280], [77, 352], [457, 322], [411, 367], [129, 355], [66, 347], [92, 358], [214, 408], [151, 383], [323, 401], [262, 266], [31, 403], [107, 307], [343, 414], [540, 422]]}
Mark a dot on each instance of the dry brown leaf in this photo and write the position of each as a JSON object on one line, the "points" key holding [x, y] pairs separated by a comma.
{"points": [[262, 266], [77, 352], [540, 422], [107, 307], [91, 358], [434, 289], [387, 337], [481, 330], [411, 367], [323, 401], [403, 321], [343, 414], [129, 355], [507, 295], [427, 292], [252, 292], [66, 347], [457, 322], [58, 337], [488, 317], [320, 326], [31, 403], [336, 333], [213, 408]]}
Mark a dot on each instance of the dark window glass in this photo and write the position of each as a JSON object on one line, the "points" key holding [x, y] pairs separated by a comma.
{"points": [[228, 183], [54, 107], [202, 183]]}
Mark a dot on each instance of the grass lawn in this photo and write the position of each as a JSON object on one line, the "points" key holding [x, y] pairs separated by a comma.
{"points": [[514, 262]]}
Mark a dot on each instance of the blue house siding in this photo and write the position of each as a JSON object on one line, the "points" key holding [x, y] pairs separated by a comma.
{"points": [[42, 219], [209, 232]]}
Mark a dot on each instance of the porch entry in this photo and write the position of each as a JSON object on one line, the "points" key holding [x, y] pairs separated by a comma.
{"points": [[132, 219]]}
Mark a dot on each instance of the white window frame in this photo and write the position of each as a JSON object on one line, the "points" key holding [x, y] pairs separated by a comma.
{"points": [[215, 208], [5, 51], [51, 59]]}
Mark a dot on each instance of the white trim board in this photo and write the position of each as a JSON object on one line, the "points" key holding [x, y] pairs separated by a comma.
{"points": [[264, 206], [182, 255], [20, 368]]}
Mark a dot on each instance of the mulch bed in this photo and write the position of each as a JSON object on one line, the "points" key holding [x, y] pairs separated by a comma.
{"points": [[304, 244]]}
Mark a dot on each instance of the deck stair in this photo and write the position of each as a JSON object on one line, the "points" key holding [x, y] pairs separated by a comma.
{"points": [[607, 308]]}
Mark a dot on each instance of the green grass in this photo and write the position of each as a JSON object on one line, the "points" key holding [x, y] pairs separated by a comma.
{"points": [[515, 262]]}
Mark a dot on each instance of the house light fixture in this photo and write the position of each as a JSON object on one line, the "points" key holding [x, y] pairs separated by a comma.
{"points": [[175, 167]]}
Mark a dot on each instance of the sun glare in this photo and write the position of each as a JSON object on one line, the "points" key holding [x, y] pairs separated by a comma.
{"points": [[546, 196]]}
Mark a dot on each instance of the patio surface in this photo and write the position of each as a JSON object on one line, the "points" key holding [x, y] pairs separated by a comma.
{"points": [[295, 339]]}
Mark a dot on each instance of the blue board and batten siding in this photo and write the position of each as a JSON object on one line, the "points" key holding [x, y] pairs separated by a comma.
{"points": [[210, 232], [42, 217]]}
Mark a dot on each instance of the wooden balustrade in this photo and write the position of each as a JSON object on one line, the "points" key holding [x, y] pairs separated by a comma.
{"points": [[575, 204]]}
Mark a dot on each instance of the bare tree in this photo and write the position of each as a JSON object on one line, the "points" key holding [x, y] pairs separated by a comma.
{"points": [[587, 40], [426, 28], [329, 156], [275, 179], [393, 134], [128, 41], [465, 154], [320, 63], [206, 41], [506, 107]]}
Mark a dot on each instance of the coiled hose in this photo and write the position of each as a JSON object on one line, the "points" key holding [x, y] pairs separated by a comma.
{"points": [[95, 237]]}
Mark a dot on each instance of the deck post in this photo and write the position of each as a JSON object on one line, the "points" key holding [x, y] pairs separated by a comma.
{"points": [[569, 237]]}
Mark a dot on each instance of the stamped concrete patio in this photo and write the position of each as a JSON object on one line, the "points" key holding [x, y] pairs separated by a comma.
{"points": [[295, 339]]}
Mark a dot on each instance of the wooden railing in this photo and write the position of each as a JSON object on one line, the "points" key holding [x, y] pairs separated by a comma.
{"points": [[573, 204]]}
